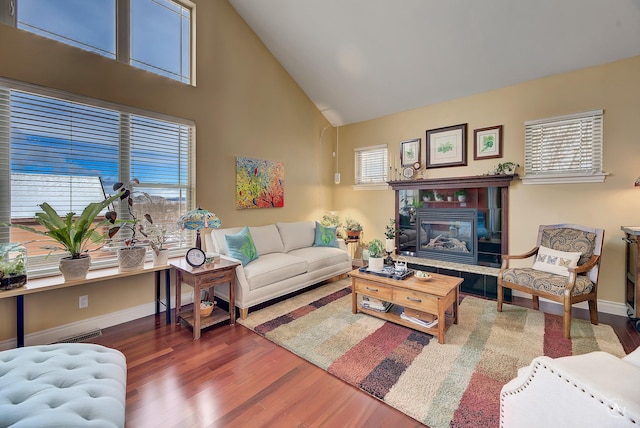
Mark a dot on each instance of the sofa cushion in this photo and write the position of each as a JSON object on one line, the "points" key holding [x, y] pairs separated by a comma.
{"points": [[241, 246], [325, 236], [217, 236], [554, 261], [297, 235], [545, 281], [272, 268], [267, 239], [321, 257]]}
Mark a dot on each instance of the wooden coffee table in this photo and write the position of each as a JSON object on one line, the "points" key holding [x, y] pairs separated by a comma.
{"points": [[434, 296]]}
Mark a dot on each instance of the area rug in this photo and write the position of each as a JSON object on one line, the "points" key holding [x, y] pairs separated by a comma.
{"points": [[454, 384]]}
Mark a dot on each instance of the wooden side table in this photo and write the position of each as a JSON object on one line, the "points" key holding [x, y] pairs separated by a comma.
{"points": [[204, 278]]}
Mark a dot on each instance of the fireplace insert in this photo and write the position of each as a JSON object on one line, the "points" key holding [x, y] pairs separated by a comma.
{"points": [[448, 234]]}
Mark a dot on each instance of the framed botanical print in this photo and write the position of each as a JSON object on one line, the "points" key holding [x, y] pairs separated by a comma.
{"points": [[447, 146], [410, 152], [487, 143]]}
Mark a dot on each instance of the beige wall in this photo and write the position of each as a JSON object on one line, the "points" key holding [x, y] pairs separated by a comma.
{"points": [[244, 104], [613, 87]]}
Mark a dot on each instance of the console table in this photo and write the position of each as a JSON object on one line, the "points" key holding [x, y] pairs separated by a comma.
{"points": [[57, 282]]}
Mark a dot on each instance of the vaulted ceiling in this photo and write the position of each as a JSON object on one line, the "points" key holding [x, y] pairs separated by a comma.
{"points": [[362, 59]]}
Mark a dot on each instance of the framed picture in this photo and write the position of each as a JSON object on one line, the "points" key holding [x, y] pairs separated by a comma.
{"points": [[488, 143], [447, 146], [410, 152]]}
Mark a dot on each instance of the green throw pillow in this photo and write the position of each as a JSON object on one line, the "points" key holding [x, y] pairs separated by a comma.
{"points": [[325, 236], [241, 246]]}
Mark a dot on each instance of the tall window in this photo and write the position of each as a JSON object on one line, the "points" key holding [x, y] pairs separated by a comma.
{"points": [[371, 167], [155, 35], [564, 149], [69, 151]]}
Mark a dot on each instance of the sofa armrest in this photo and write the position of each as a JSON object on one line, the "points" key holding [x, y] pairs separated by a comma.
{"points": [[595, 389], [342, 244], [241, 281]]}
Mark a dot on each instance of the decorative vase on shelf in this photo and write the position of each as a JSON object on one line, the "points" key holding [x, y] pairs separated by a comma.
{"points": [[74, 269], [390, 245], [160, 257], [131, 258]]}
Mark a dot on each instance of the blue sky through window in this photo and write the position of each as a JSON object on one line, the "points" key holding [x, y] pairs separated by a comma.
{"points": [[160, 30]]}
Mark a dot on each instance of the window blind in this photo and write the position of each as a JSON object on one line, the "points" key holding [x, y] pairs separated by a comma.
{"points": [[371, 165], [564, 145], [69, 152]]}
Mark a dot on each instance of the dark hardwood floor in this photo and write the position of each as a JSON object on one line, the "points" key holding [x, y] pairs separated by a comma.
{"points": [[232, 377]]}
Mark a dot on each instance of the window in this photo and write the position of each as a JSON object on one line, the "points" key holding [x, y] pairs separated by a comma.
{"points": [[371, 167], [154, 35], [69, 151], [564, 149]]}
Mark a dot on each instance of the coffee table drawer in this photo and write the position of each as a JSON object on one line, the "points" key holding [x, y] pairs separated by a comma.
{"points": [[414, 299], [373, 289]]}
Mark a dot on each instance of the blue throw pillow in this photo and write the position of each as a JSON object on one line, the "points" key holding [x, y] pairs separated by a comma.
{"points": [[241, 246], [325, 236]]}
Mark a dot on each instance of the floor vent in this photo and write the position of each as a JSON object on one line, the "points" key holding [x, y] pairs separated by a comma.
{"points": [[81, 336]]}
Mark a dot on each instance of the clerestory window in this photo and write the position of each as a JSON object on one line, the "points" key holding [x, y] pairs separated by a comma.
{"points": [[154, 35], [68, 151]]}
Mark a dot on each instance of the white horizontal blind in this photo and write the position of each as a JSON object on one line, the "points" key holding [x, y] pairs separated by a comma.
{"points": [[564, 145], [69, 153], [371, 165]]}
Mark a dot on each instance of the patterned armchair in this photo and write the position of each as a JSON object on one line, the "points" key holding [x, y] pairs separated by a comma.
{"points": [[565, 269]]}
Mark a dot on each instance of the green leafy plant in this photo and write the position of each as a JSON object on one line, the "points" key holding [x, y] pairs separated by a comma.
{"points": [[352, 224], [71, 235], [460, 192], [376, 248], [390, 229], [11, 266], [132, 223], [506, 168]]}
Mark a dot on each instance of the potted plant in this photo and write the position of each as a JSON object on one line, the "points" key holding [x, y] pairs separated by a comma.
{"points": [[132, 255], [390, 232], [461, 195], [13, 266], [376, 251], [333, 220], [506, 168], [71, 235], [427, 196], [353, 228]]}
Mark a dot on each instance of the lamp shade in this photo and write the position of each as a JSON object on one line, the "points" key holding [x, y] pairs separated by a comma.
{"points": [[199, 219]]}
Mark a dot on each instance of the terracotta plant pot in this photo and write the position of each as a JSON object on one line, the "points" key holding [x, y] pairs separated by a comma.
{"points": [[353, 234]]}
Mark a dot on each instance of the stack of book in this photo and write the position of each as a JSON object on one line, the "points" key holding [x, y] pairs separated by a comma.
{"points": [[423, 319], [375, 304]]}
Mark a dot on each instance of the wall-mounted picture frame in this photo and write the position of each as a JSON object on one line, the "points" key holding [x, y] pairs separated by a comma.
{"points": [[410, 152], [447, 146], [487, 143]]}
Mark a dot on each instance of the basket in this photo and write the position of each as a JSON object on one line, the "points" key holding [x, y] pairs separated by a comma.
{"points": [[205, 311]]}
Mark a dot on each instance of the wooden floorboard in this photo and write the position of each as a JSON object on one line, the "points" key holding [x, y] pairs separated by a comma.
{"points": [[233, 377]]}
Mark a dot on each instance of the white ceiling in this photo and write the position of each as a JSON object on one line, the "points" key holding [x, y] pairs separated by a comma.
{"points": [[363, 59]]}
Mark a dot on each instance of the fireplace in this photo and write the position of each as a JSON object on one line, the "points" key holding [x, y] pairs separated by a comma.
{"points": [[448, 234]]}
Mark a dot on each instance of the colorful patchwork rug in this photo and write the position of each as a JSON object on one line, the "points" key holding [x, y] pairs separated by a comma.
{"points": [[454, 384]]}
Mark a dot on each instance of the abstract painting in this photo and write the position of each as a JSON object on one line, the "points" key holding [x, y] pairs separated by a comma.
{"points": [[259, 183]]}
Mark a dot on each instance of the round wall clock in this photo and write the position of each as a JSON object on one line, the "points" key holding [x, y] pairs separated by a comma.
{"points": [[195, 257], [408, 172], [416, 166]]}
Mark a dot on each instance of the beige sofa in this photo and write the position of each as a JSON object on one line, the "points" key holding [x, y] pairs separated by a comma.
{"points": [[590, 390], [287, 261]]}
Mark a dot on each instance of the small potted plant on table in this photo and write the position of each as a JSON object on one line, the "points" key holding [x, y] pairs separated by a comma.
{"points": [[376, 251], [354, 228]]}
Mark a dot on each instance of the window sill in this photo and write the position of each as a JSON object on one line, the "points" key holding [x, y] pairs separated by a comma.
{"points": [[564, 178], [373, 186]]}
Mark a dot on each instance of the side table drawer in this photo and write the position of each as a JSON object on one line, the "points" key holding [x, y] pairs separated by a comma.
{"points": [[373, 289], [215, 278], [414, 299]]}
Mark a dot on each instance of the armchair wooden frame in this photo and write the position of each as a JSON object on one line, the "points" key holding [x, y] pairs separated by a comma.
{"points": [[591, 267]]}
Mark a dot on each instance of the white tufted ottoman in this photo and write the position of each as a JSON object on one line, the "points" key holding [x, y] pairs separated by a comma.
{"points": [[62, 385]]}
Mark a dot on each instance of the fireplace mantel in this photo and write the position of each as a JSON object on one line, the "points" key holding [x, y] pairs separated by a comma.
{"points": [[474, 181]]}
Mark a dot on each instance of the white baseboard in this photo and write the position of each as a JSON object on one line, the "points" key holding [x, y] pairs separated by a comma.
{"points": [[604, 306], [55, 334]]}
